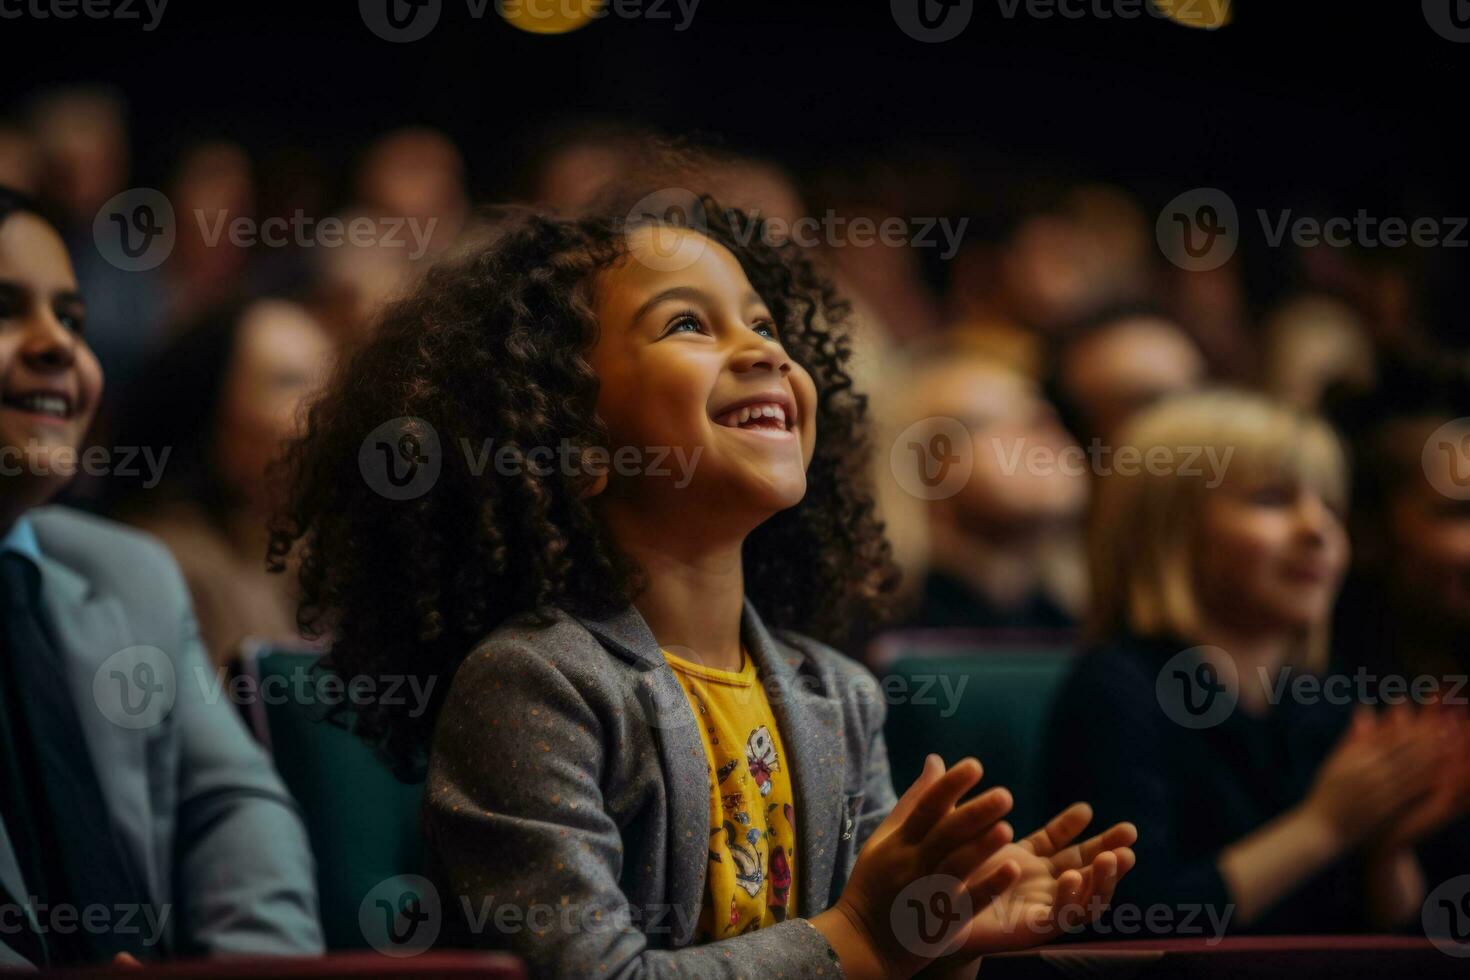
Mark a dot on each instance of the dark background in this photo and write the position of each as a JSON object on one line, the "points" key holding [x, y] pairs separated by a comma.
{"points": [[1328, 107]]}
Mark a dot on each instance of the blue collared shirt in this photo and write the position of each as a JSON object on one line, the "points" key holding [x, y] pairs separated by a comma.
{"points": [[21, 539]]}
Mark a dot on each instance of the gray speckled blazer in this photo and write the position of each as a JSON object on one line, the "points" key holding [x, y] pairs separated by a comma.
{"points": [[567, 810]]}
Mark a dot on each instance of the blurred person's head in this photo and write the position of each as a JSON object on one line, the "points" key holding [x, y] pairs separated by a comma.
{"points": [[416, 174], [50, 382], [1085, 249], [1236, 527], [576, 164], [1412, 537], [1117, 362], [1007, 417], [84, 142], [213, 185], [1314, 342], [224, 399], [20, 160], [354, 280], [756, 186]]}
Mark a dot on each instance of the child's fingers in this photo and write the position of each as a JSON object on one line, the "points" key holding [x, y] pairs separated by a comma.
{"points": [[933, 769], [939, 798], [1069, 895], [969, 858], [1077, 856], [963, 823], [985, 889], [1059, 830], [1102, 881]]}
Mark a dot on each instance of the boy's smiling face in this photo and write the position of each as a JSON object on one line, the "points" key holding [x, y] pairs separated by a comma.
{"points": [[690, 358], [50, 382]]}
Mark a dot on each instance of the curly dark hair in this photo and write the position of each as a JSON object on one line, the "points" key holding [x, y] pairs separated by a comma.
{"points": [[495, 344]]}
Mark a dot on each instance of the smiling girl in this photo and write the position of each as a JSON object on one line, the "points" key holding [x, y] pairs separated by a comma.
{"points": [[1273, 805], [638, 763]]}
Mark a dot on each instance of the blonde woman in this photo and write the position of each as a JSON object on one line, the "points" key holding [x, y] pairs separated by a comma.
{"points": [[1216, 550]]}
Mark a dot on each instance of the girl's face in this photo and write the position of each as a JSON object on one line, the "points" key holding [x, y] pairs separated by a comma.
{"points": [[1271, 555], [50, 382], [691, 364]]}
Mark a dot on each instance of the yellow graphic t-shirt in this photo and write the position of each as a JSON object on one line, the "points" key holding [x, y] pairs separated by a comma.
{"points": [[752, 838]]}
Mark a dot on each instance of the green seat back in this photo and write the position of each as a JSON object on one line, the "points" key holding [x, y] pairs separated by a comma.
{"points": [[363, 823], [999, 715]]}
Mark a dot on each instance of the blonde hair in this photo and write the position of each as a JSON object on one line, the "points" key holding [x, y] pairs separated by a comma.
{"points": [[1145, 524]]}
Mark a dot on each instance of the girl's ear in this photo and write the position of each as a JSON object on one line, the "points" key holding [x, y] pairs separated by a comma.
{"points": [[594, 462]]}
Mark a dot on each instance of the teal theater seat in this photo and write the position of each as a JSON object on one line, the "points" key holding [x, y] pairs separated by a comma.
{"points": [[961, 694], [363, 823]]}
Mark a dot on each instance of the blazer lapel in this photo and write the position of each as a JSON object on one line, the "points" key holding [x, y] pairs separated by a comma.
{"points": [[87, 630], [812, 734], [660, 700]]}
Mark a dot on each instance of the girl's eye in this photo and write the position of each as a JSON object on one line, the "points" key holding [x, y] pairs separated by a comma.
{"points": [[70, 321], [767, 328], [684, 323]]}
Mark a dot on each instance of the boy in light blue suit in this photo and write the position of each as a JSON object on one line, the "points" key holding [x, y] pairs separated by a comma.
{"points": [[137, 818]]}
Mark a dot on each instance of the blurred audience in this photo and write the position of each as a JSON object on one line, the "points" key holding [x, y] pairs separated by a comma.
{"points": [[1115, 363], [1313, 343], [1212, 596], [83, 136], [1406, 609], [223, 400], [994, 546], [213, 188]]}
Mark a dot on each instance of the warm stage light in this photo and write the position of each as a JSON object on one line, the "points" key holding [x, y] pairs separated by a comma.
{"points": [[1205, 14], [550, 16]]}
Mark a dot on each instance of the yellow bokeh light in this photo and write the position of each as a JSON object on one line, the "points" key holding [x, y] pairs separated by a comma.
{"points": [[1205, 14], [550, 16]]}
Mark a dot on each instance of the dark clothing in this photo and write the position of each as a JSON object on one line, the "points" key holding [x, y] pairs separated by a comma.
{"points": [[1383, 661], [949, 603], [1192, 792], [52, 804]]}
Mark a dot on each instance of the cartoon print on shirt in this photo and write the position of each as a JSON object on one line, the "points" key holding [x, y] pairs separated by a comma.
{"points": [[779, 888], [760, 758], [748, 872]]}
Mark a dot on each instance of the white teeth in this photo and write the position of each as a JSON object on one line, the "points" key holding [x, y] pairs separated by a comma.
{"points": [[765, 410], [44, 405]]}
